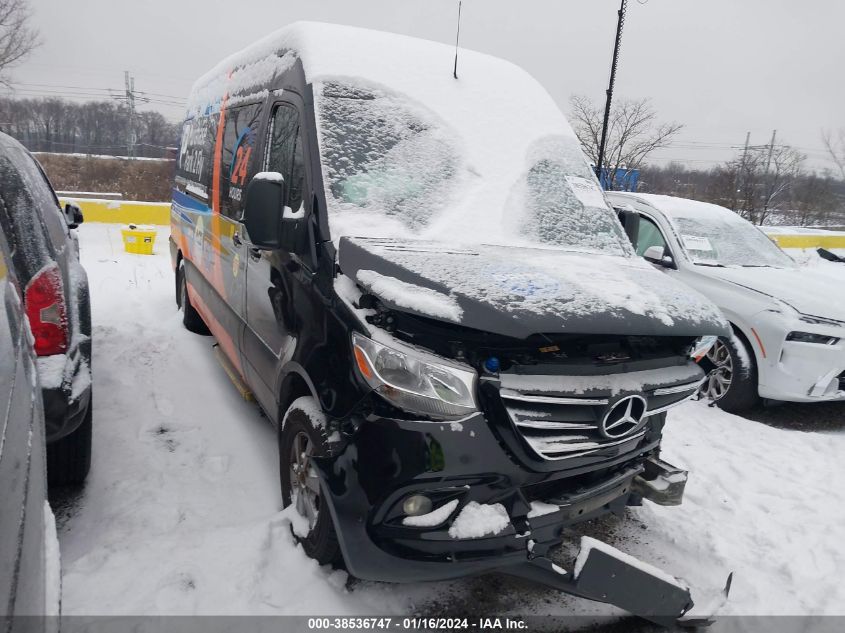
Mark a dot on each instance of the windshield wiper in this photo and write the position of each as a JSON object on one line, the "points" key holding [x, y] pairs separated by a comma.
{"points": [[712, 265]]}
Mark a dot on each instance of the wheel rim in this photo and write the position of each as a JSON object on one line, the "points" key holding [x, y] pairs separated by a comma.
{"points": [[304, 483], [720, 377]]}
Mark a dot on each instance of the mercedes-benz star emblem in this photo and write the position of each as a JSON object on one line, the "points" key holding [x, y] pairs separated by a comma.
{"points": [[623, 417]]}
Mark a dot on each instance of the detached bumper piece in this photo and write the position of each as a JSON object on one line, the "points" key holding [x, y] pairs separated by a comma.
{"points": [[605, 574], [661, 483]]}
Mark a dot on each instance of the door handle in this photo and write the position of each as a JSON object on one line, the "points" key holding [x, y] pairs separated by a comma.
{"points": [[255, 254], [236, 239]]}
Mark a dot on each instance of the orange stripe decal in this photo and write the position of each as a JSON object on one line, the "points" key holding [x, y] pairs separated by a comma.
{"points": [[759, 342], [217, 329], [216, 267]]}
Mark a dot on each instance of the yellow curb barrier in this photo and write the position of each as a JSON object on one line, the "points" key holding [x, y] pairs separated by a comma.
{"points": [[809, 240], [122, 211]]}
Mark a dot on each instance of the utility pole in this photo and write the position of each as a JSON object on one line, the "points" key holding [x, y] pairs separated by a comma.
{"points": [[130, 102], [771, 150], [742, 172], [769, 192], [621, 21]]}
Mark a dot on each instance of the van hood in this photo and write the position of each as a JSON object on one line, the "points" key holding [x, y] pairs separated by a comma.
{"points": [[518, 292], [808, 291]]}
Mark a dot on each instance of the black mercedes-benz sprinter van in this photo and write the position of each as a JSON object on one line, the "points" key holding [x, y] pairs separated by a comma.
{"points": [[420, 280]]}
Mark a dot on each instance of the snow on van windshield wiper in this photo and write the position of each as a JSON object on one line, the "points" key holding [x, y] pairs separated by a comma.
{"points": [[394, 167]]}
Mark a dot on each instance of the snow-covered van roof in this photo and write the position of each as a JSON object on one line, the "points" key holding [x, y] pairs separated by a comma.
{"points": [[407, 150]]}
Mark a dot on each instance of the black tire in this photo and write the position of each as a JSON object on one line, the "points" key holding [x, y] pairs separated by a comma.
{"points": [[69, 459], [191, 319], [321, 542], [731, 375]]}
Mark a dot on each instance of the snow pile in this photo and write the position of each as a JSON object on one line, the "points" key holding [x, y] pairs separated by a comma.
{"points": [[269, 176], [51, 370], [479, 519], [424, 300], [52, 565], [541, 508], [589, 544], [433, 518]]}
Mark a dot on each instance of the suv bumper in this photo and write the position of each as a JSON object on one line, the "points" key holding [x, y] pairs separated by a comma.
{"points": [[66, 391], [366, 480]]}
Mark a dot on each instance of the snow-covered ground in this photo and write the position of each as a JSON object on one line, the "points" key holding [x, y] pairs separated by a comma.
{"points": [[181, 513]]}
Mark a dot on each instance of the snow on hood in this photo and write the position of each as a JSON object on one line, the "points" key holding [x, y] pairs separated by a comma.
{"points": [[808, 291], [518, 292]]}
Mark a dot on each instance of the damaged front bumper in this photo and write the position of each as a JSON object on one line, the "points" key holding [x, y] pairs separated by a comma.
{"points": [[384, 461]]}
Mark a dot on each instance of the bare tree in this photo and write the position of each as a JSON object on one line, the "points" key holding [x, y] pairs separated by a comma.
{"points": [[633, 132], [758, 182], [836, 148], [812, 200], [783, 166], [17, 38]]}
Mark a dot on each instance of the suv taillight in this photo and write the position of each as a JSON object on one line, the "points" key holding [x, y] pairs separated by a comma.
{"points": [[45, 307]]}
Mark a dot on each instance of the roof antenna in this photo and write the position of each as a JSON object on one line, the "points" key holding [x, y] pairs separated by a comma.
{"points": [[457, 39]]}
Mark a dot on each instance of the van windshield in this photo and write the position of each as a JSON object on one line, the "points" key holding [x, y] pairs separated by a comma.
{"points": [[393, 168]]}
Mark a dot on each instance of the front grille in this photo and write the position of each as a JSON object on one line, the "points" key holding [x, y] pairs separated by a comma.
{"points": [[558, 427]]}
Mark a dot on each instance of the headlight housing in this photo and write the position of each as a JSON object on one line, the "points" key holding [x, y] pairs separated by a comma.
{"points": [[404, 379], [701, 346], [809, 337]]}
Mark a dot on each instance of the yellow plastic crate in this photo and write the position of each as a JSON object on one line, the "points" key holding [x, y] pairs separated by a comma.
{"points": [[139, 239]]}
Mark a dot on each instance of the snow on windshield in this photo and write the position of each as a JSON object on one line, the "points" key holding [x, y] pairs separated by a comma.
{"points": [[393, 168], [383, 157], [728, 242]]}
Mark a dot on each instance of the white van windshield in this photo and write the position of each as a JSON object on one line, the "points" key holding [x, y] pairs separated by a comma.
{"points": [[394, 168]]}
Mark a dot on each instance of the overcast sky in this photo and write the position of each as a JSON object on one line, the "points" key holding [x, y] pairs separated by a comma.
{"points": [[720, 67]]}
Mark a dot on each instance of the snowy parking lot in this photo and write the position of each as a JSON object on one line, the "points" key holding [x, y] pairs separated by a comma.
{"points": [[181, 512]]}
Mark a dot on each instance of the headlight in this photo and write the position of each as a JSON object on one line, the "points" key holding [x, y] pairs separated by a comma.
{"points": [[421, 386], [809, 337], [701, 346]]}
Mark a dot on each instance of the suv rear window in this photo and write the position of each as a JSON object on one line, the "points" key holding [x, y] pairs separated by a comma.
{"points": [[26, 197]]}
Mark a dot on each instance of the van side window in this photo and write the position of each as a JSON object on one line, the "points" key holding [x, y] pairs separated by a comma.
{"points": [[649, 235], [239, 135], [285, 155], [194, 163]]}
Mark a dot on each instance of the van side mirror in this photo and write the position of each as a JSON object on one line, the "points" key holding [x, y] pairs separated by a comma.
{"points": [[265, 197], [73, 215], [657, 255]]}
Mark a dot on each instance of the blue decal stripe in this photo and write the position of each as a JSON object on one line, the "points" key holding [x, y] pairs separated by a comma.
{"points": [[185, 201]]}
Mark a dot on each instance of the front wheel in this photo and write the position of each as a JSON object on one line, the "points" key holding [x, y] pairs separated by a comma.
{"points": [[731, 375], [301, 438]]}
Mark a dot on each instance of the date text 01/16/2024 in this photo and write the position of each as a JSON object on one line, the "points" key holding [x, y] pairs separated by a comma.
{"points": [[416, 624]]}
